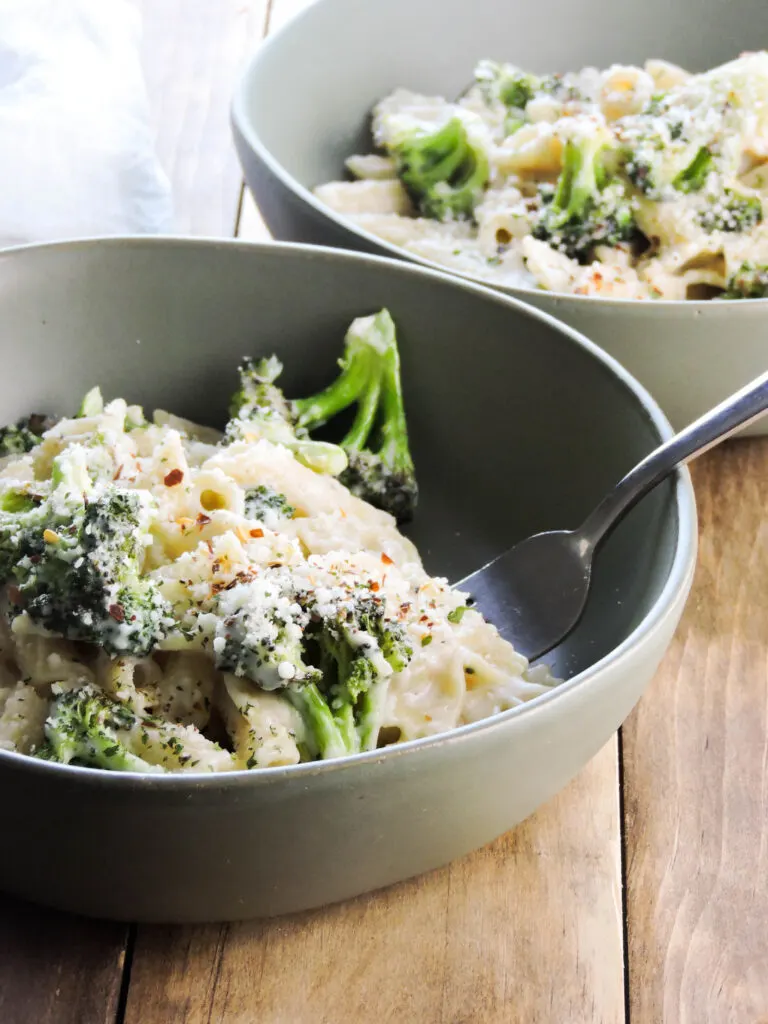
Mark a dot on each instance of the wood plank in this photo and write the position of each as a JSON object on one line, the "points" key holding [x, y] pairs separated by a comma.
{"points": [[528, 929], [57, 969], [193, 51], [696, 774]]}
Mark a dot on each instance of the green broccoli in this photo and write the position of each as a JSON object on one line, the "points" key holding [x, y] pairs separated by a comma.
{"points": [[693, 177], [588, 207], [259, 409], [266, 504], [348, 643], [24, 435], [75, 564], [373, 459], [731, 212], [330, 655], [506, 84], [380, 465], [750, 281], [84, 726], [443, 170], [89, 727], [259, 629]]}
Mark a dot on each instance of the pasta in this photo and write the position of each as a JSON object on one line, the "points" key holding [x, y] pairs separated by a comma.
{"points": [[631, 182], [216, 569]]}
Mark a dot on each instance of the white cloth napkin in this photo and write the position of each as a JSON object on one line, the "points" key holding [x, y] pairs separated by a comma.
{"points": [[76, 145]]}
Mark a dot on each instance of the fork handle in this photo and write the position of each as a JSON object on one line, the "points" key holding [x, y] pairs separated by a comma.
{"points": [[741, 409]]}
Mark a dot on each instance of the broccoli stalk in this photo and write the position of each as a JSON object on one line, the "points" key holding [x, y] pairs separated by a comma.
{"points": [[381, 473], [259, 409], [588, 208], [693, 177], [329, 735], [443, 171], [750, 281]]}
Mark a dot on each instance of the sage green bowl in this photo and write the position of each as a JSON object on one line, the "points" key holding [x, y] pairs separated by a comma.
{"points": [[518, 424], [303, 102]]}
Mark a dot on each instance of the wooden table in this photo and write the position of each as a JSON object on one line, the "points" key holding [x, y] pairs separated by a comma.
{"points": [[639, 894]]}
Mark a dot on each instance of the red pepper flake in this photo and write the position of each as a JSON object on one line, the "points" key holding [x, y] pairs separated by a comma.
{"points": [[117, 612], [173, 478], [202, 519], [386, 560], [118, 471], [256, 532], [374, 586]]}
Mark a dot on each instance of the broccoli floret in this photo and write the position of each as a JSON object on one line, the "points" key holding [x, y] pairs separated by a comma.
{"points": [[503, 83], [514, 88], [329, 654], [380, 465], [749, 282], [76, 569], [259, 409], [84, 726], [443, 170], [588, 208], [351, 645], [258, 397], [24, 435], [373, 459], [265, 502], [89, 727], [259, 629], [731, 212]]}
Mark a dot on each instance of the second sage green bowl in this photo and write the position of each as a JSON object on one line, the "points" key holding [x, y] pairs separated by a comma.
{"points": [[303, 105]]}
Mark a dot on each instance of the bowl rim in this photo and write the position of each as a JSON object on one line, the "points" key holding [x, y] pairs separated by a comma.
{"points": [[675, 586], [242, 124]]}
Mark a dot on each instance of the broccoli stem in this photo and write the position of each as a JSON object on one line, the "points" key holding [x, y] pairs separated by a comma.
{"points": [[369, 712], [693, 178], [330, 738], [394, 429], [579, 181]]}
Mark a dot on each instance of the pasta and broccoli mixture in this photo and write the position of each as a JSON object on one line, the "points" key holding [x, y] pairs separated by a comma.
{"points": [[178, 599], [640, 183]]}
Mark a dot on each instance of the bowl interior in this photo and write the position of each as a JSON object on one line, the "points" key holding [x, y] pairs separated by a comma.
{"points": [[308, 94], [516, 425]]}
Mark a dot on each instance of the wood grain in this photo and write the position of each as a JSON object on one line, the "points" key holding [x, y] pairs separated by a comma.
{"points": [[193, 51], [57, 969], [527, 930], [696, 774]]}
